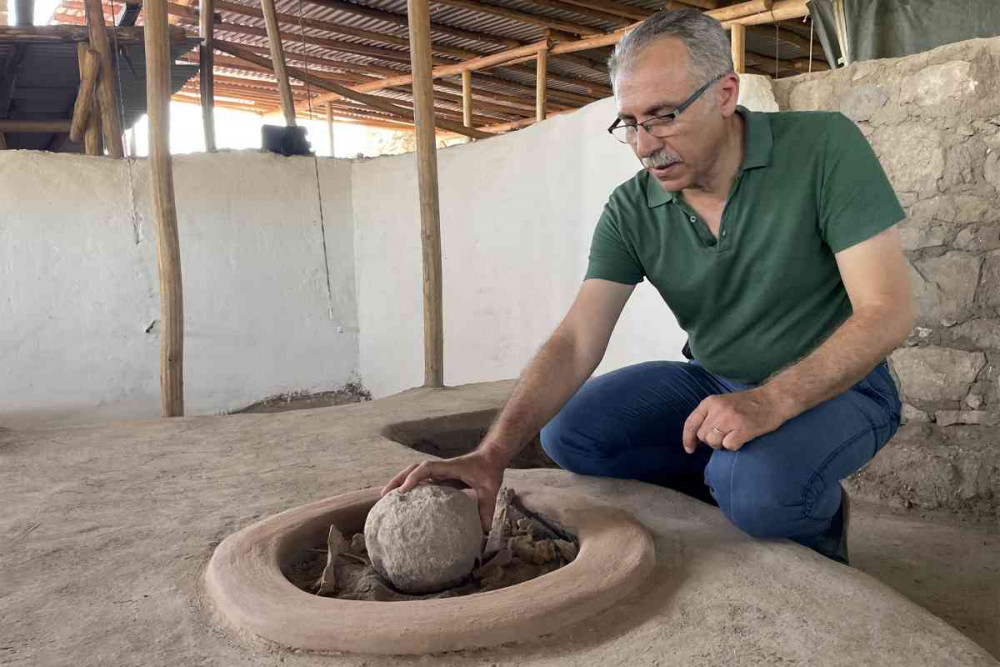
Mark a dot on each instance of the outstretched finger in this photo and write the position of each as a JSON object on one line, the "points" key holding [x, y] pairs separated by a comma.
{"points": [[691, 426], [396, 481]]}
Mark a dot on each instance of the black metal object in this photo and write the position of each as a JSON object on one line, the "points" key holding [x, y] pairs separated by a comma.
{"points": [[285, 140]]}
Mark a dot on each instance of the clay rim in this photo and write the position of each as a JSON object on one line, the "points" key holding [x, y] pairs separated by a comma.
{"points": [[249, 591]]}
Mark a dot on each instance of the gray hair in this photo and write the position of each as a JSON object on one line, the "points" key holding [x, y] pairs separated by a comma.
{"points": [[709, 51]]}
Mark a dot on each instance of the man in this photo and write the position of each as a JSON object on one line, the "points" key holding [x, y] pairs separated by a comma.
{"points": [[771, 238]]}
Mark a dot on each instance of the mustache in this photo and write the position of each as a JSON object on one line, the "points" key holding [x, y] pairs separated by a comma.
{"points": [[660, 159]]}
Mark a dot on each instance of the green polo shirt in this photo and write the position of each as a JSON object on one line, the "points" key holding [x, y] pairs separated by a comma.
{"points": [[767, 291]]}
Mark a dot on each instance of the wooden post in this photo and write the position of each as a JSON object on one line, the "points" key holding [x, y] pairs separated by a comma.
{"points": [[105, 81], [738, 34], [278, 59], [541, 84], [329, 125], [25, 12], [161, 182], [206, 79], [467, 98], [89, 66], [427, 176]]}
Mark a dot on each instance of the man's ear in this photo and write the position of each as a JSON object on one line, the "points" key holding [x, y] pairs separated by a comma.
{"points": [[728, 93]]}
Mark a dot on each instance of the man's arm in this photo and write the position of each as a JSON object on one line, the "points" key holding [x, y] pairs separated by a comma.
{"points": [[562, 365], [877, 280]]}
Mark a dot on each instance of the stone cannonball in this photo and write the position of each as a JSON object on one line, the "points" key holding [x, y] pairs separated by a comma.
{"points": [[424, 540]]}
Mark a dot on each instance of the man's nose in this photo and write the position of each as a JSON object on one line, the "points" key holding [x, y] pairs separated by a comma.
{"points": [[645, 143]]}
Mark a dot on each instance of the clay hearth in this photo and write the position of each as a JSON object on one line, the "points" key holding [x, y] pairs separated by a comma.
{"points": [[246, 582]]}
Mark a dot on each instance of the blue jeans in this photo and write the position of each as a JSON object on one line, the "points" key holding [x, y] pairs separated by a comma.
{"points": [[628, 424]]}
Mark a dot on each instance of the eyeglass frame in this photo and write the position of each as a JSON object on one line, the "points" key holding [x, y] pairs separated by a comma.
{"points": [[672, 115]]}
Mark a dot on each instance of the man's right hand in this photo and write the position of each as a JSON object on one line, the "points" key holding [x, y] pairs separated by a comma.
{"points": [[478, 470]]}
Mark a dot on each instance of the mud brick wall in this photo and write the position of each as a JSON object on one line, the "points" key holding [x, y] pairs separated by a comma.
{"points": [[934, 121]]}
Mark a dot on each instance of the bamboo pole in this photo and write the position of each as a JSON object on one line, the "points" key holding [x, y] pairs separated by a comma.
{"points": [[541, 84], [278, 60], [168, 251], [342, 91], [467, 98], [781, 10], [738, 38], [206, 64], [427, 175], [89, 66], [110, 123], [329, 126], [739, 11]]}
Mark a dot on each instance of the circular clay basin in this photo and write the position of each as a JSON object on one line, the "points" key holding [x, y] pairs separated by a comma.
{"points": [[246, 583]]}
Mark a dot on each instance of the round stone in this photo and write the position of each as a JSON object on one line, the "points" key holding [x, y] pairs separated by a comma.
{"points": [[424, 540]]}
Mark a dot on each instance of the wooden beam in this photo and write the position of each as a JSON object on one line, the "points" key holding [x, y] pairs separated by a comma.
{"points": [[781, 10], [25, 12], [449, 70], [110, 120], [35, 126], [278, 60], [541, 84], [89, 66], [740, 10], [795, 64], [587, 43], [161, 182], [329, 126], [427, 176], [467, 98], [78, 33], [738, 39], [206, 67], [342, 91]]}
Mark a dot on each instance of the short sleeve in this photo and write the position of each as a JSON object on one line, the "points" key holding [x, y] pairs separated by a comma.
{"points": [[610, 257], [857, 201]]}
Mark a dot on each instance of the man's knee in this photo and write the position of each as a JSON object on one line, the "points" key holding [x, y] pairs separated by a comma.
{"points": [[571, 441], [757, 502]]}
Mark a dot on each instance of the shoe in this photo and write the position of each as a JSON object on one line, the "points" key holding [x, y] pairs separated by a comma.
{"points": [[833, 543]]}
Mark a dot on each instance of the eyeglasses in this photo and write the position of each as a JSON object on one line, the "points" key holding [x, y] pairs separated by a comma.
{"points": [[657, 126]]}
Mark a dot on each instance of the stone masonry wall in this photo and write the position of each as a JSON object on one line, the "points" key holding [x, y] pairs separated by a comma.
{"points": [[934, 121]]}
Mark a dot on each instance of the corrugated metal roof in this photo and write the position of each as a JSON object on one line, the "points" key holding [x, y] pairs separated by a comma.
{"points": [[327, 51]]}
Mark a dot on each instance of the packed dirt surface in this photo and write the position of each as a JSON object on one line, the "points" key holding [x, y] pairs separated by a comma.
{"points": [[520, 547]]}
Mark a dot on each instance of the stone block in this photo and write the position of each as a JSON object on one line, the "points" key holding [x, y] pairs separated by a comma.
{"points": [[912, 155], [945, 287], [912, 414], [815, 95], [984, 334], [969, 417], [859, 104], [991, 169], [756, 93], [964, 164], [978, 238], [947, 83], [960, 209], [989, 291], [936, 373], [915, 236]]}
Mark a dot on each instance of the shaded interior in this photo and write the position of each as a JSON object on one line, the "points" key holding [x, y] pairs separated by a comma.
{"points": [[454, 435]]}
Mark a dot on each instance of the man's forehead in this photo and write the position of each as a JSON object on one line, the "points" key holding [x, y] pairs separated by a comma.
{"points": [[656, 77]]}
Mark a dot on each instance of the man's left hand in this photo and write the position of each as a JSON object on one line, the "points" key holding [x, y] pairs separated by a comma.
{"points": [[729, 421]]}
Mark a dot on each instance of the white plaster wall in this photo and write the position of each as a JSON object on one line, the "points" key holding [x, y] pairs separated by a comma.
{"points": [[517, 214], [79, 287]]}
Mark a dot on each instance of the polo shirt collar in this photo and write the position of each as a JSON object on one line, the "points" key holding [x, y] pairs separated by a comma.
{"points": [[756, 153]]}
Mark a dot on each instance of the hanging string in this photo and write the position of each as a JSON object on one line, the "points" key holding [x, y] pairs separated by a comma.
{"points": [[319, 189], [812, 29], [776, 38]]}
